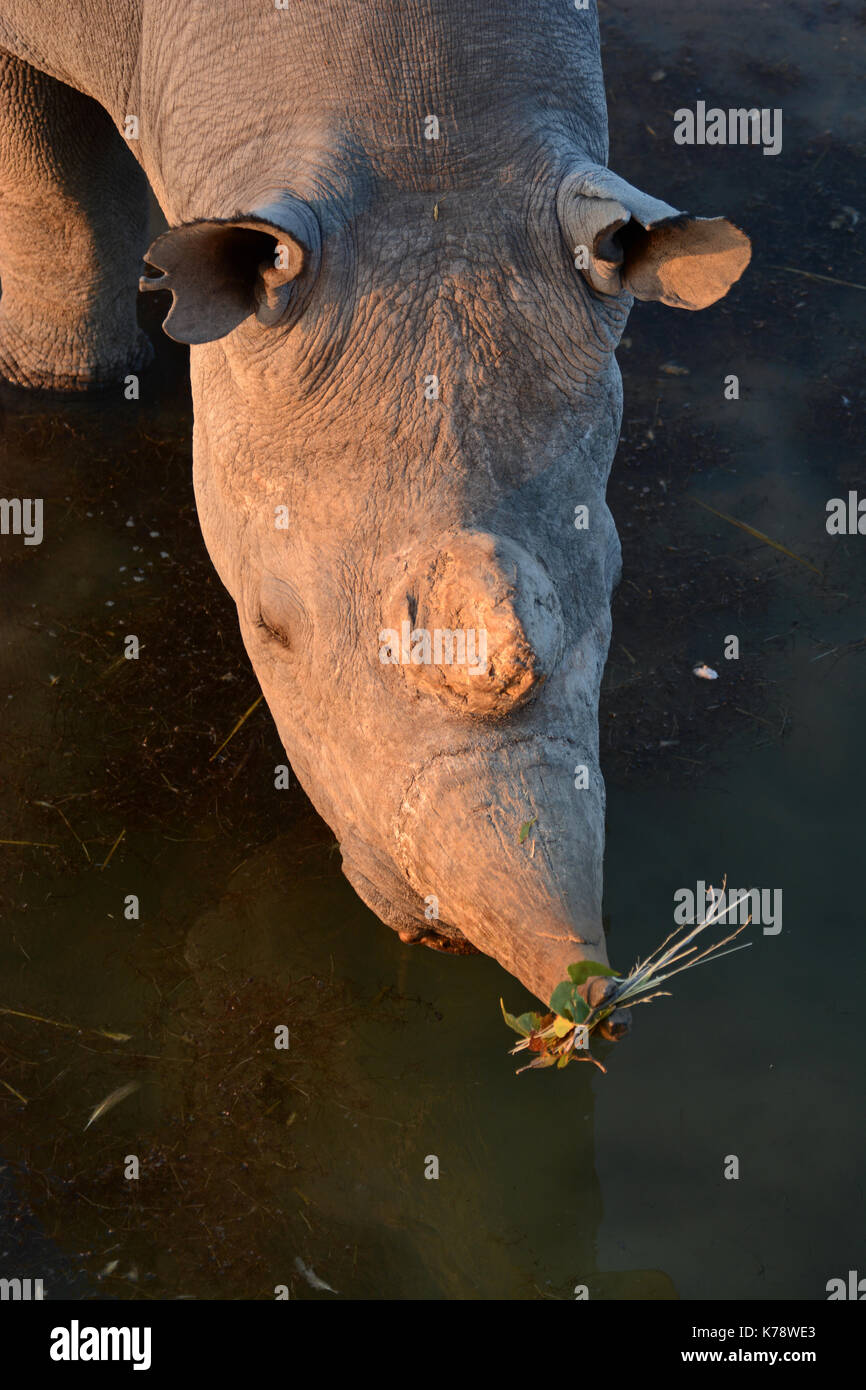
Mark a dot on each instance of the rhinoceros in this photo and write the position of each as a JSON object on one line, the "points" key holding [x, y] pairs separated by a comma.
{"points": [[403, 268]]}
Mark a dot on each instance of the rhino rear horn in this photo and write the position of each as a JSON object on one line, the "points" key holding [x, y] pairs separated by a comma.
{"points": [[224, 270], [623, 240]]}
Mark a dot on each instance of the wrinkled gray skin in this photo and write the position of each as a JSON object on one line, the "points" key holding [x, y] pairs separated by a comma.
{"points": [[407, 258]]}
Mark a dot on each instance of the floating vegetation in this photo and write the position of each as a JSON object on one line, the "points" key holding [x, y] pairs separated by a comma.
{"points": [[563, 1034], [71, 1027], [113, 1099]]}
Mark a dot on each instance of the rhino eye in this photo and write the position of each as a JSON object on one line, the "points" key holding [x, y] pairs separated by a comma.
{"points": [[272, 628], [282, 614]]}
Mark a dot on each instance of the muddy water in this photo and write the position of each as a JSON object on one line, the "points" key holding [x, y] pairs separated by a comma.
{"points": [[256, 1164]]}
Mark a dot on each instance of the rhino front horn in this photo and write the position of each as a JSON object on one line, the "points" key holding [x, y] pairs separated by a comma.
{"points": [[472, 620]]}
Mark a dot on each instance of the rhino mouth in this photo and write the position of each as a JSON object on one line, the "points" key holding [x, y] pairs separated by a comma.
{"points": [[402, 909]]}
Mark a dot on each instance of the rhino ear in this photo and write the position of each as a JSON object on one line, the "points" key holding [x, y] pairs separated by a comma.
{"points": [[221, 272], [623, 240]]}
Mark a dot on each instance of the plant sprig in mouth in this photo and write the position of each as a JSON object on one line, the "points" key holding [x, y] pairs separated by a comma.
{"points": [[563, 1034]]}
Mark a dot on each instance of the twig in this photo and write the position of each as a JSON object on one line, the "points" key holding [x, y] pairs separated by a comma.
{"points": [[106, 861], [34, 844], [759, 535], [749, 715], [242, 720], [72, 1027], [11, 1088], [49, 807], [828, 279]]}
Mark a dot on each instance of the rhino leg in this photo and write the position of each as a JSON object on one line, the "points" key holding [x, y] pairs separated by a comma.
{"points": [[73, 223]]}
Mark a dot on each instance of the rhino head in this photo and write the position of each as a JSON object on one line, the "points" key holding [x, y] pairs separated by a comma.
{"points": [[406, 409]]}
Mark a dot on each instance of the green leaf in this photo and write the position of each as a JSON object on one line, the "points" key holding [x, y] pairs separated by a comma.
{"points": [[560, 999], [566, 1000], [584, 969], [581, 1008], [530, 1022], [525, 829], [562, 1025], [515, 1023], [564, 1060]]}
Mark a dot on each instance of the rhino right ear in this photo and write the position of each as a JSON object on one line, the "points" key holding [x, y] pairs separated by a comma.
{"points": [[623, 240], [223, 271]]}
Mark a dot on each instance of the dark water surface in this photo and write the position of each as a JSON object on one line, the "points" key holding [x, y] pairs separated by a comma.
{"points": [[256, 1162]]}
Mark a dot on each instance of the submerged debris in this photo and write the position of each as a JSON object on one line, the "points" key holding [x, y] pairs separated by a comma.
{"points": [[312, 1277], [113, 1099]]}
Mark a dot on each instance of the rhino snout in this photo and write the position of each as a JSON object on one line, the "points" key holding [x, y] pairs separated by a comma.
{"points": [[510, 853]]}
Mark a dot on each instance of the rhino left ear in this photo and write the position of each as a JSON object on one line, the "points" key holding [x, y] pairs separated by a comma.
{"points": [[222, 271], [623, 240]]}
